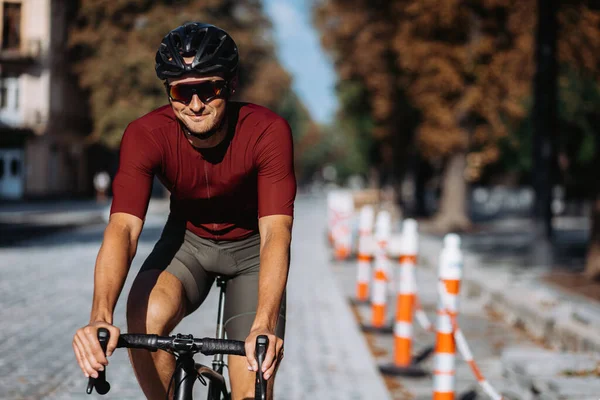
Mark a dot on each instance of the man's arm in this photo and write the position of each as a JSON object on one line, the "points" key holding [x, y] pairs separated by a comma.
{"points": [[139, 157], [276, 184], [276, 236], [113, 263]]}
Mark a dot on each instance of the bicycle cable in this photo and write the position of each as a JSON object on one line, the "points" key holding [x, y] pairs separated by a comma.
{"points": [[201, 379], [198, 376], [173, 374], [172, 379]]}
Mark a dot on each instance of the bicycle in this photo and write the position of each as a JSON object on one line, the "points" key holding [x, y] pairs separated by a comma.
{"points": [[183, 347]]}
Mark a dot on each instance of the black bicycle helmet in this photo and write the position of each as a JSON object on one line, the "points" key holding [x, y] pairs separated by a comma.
{"points": [[212, 48]]}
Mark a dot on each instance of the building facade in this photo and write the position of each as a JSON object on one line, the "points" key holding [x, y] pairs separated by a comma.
{"points": [[42, 113]]}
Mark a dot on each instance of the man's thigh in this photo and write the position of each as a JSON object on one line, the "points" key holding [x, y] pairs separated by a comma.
{"points": [[156, 303], [241, 302], [240, 305], [174, 256]]}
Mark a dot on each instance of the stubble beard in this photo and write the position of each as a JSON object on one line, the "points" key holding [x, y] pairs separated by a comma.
{"points": [[206, 129], [202, 128]]}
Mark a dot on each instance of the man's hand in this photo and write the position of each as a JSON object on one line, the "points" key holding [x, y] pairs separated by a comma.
{"points": [[274, 352], [87, 348]]}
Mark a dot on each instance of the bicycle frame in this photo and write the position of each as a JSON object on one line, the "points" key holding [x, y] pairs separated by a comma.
{"points": [[186, 369], [185, 377], [218, 364]]}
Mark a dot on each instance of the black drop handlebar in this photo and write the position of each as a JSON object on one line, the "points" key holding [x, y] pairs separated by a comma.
{"points": [[181, 344]]}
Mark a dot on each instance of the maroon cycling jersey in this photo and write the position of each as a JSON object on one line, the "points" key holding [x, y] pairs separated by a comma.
{"points": [[222, 191]]}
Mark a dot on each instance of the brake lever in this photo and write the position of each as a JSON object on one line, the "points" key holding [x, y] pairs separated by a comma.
{"points": [[260, 387], [100, 383]]}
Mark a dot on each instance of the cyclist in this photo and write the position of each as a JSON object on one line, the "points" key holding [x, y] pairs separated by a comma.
{"points": [[229, 168]]}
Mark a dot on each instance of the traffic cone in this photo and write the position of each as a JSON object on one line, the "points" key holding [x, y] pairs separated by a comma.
{"points": [[365, 254], [383, 228], [404, 363], [342, 231], [450, 273]]}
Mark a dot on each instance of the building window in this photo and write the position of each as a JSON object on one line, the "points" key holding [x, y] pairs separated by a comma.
{"points": [[15, 167], [9, 93], [11, 26], [3, 95], [16, 94]]}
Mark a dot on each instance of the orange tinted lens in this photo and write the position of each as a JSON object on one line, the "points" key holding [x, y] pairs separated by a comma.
{"points": [[206, 91]]}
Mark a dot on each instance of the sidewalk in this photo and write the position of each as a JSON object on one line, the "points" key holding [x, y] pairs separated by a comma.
{"points": [[25, 220], [326, 355]]}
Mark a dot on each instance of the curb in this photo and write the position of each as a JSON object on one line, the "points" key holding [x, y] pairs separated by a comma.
{"points": [[547, 375], [68, 217]]}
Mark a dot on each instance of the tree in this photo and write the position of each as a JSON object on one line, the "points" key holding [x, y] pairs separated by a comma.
{"points": [[467, 67], [579, 49], [578, 124], [438, 64], [358, 36]]}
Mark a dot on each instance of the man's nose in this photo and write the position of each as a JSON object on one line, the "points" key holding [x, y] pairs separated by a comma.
{"points": [[196, 105]]}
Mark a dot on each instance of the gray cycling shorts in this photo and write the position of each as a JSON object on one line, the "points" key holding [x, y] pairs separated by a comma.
{"points": [[196, 262]]}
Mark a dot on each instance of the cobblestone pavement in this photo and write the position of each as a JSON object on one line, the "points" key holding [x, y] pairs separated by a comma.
{"points": [[45, 295]]}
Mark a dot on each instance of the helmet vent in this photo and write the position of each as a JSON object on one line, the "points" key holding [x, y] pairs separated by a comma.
{"points": [[214, 51]]}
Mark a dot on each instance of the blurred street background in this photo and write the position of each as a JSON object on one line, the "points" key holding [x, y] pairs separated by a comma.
{"points": [[475, 117]]}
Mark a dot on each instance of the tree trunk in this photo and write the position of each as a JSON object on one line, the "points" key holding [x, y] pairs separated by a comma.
{"points": [[592, 262], [452, 216]]}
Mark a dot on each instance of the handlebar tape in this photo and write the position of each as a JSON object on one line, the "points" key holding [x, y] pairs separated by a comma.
{"points": [[221, 346]]}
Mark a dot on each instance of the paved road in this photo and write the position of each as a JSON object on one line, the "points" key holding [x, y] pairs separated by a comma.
{"points": [[45, 293]]}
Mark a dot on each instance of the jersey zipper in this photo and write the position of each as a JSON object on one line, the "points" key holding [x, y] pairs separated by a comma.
{"points": [[208, 190]]}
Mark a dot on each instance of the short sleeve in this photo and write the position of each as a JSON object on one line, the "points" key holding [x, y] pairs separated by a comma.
{"points": [[139, 158], [275, 163]]}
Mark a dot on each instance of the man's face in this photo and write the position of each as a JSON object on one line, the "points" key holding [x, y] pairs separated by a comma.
{"points": [[197, 116]]}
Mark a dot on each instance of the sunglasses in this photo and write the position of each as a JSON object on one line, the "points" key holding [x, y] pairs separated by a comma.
{"points": [[206, 91]]}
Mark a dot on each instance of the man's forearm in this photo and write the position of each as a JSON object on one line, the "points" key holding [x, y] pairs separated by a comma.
{"points": [[112, 266], [272, 279]]}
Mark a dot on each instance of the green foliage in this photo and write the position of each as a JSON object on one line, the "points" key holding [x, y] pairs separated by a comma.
{"points": [[291, 108], [578, 106], [577, 133], [350, 137], [516, 147]]}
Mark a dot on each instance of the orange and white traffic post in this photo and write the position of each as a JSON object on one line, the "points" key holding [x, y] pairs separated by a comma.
{"points": [[332, 215], [404, 364], [381, 276], [450, 274], [365, 254], [342, 230]]}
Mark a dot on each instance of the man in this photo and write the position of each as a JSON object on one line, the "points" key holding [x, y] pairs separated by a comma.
{"points": [[229, 168]]}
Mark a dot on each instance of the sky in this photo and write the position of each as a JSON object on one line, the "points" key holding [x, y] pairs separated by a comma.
{"points": [[299, 51]]}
